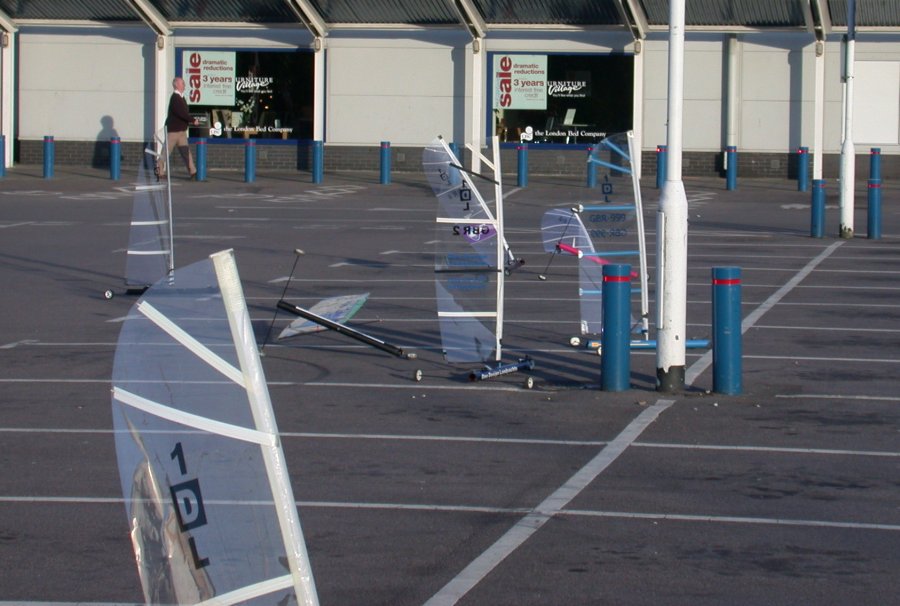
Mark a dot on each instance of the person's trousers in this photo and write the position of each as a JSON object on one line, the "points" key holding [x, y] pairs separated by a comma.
{"points": [[178, 140]]}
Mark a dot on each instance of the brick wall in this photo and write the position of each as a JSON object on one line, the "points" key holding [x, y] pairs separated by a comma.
{"points": [[546, 161]]}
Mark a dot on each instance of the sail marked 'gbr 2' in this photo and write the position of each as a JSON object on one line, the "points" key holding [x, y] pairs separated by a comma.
{"points": [[470, 255], [210, 507]]}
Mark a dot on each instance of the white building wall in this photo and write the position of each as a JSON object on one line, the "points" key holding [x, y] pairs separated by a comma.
{"points": [[703, 89], [82, 84], [407, 86]]}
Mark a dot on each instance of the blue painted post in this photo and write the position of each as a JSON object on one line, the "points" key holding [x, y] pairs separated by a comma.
{"points": [[49, 156], [115, 158], [731, 167], [803, 169], [662, 153], [726, 320], [873, 223], [249, 161], [201, 159], [817, 219], [875, 163], [2, 155], [522, 172], [318, 160], [455, 177], [385, 162], [591, 170], [615, 363]]}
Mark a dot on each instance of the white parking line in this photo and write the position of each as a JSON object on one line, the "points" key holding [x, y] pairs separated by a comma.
{"points": [[479, 568]]}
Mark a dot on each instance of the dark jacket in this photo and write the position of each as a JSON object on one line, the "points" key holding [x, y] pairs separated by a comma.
{"points": [[179, 117]]}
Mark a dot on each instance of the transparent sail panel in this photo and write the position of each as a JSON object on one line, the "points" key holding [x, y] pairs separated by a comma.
{"points": [[193, 467], [562, 226], [337, 309], [615, 227], [468, 254], [150, 255]]}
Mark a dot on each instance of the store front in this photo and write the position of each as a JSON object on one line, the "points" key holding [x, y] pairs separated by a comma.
{"points": [[560, 98], [244, 94]]}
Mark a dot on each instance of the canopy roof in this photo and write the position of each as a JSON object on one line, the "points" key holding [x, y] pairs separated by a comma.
{"points": [[478, 16]]}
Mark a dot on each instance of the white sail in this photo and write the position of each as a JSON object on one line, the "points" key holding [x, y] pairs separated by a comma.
{"points": [[210, 506], [608, 231], [150, 253], [470, 255]]}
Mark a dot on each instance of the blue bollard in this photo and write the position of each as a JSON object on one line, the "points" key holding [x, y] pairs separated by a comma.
{"points": [[731, 167], [385, 163], [875, 163], [249, 161], [615, 363], [803, 169], [817, 219], [662, 154], [2, 155], [727, 346], [49, 156], [201, 159], [455, 177], [522, 171], [591, 171], [873, 223], [318, 160], [115, 158]]}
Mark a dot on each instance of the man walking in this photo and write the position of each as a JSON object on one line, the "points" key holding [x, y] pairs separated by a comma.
{"points": [[177, 121]]}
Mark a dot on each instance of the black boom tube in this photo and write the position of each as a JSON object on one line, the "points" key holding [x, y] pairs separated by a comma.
{"points": [[345, 330]]}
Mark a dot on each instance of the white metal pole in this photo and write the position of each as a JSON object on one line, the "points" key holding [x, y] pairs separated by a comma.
{"points": [[733, 102], [671, 244], [638, 108], [848, 152], [477, 107], [8, 91], [819, 127], [319, 90]]}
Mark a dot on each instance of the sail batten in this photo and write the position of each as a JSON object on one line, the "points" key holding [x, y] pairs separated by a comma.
{"points": [[194, 421], [192, 344]]}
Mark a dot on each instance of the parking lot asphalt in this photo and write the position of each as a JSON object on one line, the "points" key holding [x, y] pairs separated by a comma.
{"points": [[446, 491]]}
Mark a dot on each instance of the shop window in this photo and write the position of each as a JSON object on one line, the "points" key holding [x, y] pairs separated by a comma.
{"points": [[249, 94], [560, 98]]}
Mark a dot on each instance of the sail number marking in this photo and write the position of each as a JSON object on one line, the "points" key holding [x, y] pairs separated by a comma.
{"points": [[471, 230], [188, 502]]}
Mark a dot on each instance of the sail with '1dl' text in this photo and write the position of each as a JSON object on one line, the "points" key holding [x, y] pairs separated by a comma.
{"points": [[610, 230], [209, 503], [471, 261]]}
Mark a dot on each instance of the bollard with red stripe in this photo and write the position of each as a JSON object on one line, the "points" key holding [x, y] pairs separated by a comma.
{"points": [[873, 214], [726, 320], [662, 154], [615, 350], [803, 169], [875, 163]]}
